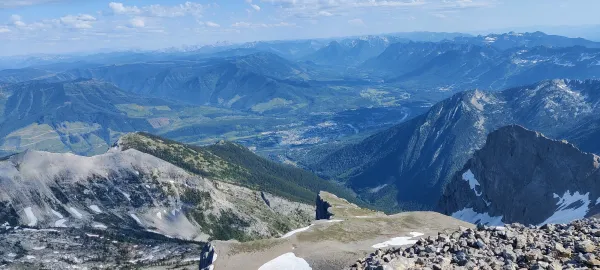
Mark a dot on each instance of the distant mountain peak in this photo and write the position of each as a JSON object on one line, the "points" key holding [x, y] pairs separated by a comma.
{"points": [[518, 175]]}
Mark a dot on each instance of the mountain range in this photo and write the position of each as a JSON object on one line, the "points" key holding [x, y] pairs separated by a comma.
{"points": [[451, 66], [407, 166], [81, 116], [525, 40]]}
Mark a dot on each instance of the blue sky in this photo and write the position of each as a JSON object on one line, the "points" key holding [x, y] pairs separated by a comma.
{"points": [[60, 26]]}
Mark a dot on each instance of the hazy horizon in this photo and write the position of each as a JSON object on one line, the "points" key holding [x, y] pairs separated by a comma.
{"points": [[66, 26]]}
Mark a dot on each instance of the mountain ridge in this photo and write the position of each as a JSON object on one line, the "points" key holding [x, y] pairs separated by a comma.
{"points": [[414, 160], [534, 170]]}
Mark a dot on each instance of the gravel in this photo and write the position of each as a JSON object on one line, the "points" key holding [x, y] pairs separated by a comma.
{"points": [[516, 246]]}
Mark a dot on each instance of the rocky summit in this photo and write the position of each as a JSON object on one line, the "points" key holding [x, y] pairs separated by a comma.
{"points": [[522, 176], [515, 246]]}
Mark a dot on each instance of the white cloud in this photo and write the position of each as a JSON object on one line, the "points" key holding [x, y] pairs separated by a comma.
{"points": [[212, 24], [325, 13], [312, 8], [185, 9], [255, 7], [137, 22], [20, 3], [119, 8], [261, 25], [356, 22], [81, 21], [17, 21], [4, 30]]}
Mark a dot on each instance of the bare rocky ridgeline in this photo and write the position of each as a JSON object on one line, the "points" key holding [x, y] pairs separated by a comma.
{"points": [[551, 246]]}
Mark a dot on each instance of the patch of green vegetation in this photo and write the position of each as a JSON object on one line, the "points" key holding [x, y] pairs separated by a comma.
{"points": [[275, 103], [278, 179], [234, 163], [226, 226], [135, 110]]}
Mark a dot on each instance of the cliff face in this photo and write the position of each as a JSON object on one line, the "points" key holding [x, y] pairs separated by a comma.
{"points": [[207, 257], [522, 176], [322, 208]]}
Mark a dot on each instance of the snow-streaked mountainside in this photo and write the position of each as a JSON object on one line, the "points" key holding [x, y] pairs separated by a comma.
{"points": [[458, 66], [526, 40], [129, 189], [407, 166], [522, 176]]}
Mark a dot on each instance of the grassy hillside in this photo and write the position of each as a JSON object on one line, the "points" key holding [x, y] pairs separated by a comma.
{"points": [[233, 163]]}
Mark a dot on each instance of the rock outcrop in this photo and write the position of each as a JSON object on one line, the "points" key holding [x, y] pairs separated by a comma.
{"points": [[561, 246], [207, 257], [522, 176], [322, 209]]}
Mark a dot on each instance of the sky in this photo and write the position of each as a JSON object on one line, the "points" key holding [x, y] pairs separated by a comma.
{"points": [[64, 26]]}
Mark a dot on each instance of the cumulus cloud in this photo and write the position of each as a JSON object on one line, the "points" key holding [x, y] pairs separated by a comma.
{"points": [[261, 25], [17, 21], [119, 8], [212, 24], [356, 22], [4, 29], [255, 7], [21, 3], [325, 13], [314, 8], [137, 22], [185, 9], [81, 21]]}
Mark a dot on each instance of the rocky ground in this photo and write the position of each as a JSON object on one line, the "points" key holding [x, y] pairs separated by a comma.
{"points": [[89, 248], [561, 246]]}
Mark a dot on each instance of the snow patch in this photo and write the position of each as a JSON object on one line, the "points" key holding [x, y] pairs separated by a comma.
{"points": [[377, 189], [56, 213], [295, 231], [100, 226], [598, 201], [39, 248], [75, 212], [333, 220], [570, 207], [60, 223], [416, 234], [473, 183], [30, 257], [32, 219], [96, 209], [287, 261], [399, 241], [136, 219], [127, 196], [469, 215], [92, 235]]}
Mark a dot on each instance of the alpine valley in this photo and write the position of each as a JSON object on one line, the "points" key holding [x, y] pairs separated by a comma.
{"points": [[394, 151]]}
